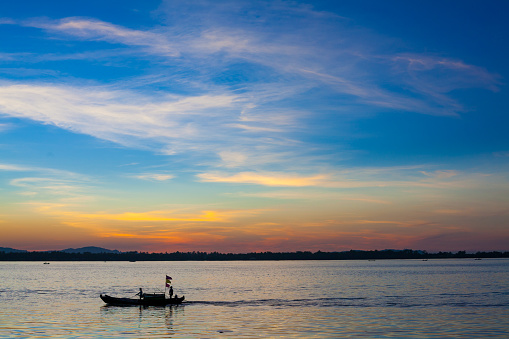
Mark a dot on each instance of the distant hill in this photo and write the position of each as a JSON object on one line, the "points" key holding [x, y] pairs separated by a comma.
{"points": [[89, 249], [11, 250]]}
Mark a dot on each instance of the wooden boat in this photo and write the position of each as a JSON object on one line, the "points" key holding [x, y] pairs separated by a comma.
{"points": [[147, 299]]}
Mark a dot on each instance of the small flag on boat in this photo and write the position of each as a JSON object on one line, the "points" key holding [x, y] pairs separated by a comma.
{"points": [[168, 281]]}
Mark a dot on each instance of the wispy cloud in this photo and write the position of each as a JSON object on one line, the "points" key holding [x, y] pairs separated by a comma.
{"points": [[92, 29], [232, 159], [56, 173], [501, 154], [280, 179], [383, 177], [412, 223], [118, 116], [48, 189], [165, 225], [158, 216], [5, 127], [444, 74], [314, 195], [267, 179], [16, 168], [319, 54], [48, 184], [155, 176], [441, 174], [202, 125]]}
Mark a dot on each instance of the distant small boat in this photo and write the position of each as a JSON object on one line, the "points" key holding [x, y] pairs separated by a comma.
{"points": [[46, 263], [147, 299]]}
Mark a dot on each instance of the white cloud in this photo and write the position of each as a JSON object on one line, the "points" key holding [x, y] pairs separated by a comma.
{"points": [[48, 183], [322, 50], [266, 179], [92, 29], [256, 128], [459, 74], [50, 172], [202, 125], [443, 174], [314, 195], [16, 168], [51, 188], [232, 159], [155, 176], [316, 54], [356, 178], [118, 116]]}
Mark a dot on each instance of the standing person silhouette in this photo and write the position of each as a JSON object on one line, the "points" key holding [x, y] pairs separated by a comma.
{"points": [[171, 291]]}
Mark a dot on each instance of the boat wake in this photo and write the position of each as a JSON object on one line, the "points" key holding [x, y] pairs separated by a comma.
{"points": [[386, 301], [320, 302]]}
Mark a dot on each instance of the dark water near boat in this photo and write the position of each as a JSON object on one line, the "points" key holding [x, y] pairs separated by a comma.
{"points": [[460, 298]]}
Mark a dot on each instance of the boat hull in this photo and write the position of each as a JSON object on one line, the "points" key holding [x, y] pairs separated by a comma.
{"points": [[144, 302]]}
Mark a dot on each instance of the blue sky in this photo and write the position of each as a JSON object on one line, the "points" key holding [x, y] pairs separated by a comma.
{"points": [[235, 126]]}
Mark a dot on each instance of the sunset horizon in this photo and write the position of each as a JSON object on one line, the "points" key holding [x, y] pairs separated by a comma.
{"points": [[94, 250]]}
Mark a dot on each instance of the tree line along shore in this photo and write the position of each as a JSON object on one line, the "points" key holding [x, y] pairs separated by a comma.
{"points": [[216, 256]]}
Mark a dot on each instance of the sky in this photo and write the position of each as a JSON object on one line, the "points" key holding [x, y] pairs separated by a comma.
{"points": [[239, 126]]}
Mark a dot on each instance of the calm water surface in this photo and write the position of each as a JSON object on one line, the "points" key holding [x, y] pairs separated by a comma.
{"points": [[461, 298]]}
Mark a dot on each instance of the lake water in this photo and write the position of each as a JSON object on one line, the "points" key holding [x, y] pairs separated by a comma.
{"points": [[460, 298]]}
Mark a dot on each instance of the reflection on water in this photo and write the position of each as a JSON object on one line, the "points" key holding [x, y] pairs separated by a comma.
{"points": [[143, 318], [400, 298]]}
